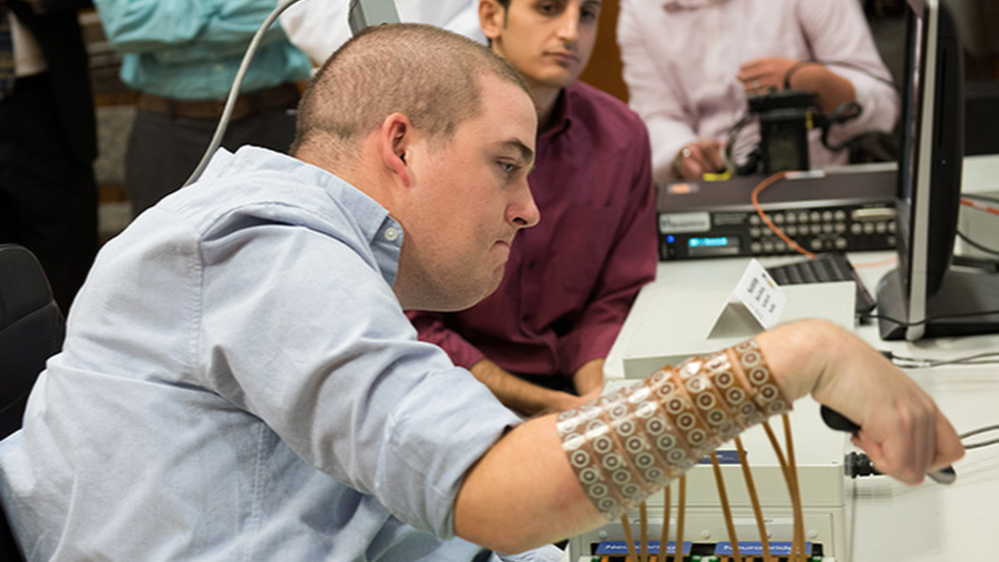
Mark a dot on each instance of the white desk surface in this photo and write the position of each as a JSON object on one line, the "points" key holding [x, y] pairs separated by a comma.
{"points": [[892, 521]]}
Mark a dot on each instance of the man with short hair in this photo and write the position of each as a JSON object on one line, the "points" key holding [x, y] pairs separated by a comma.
{"points": [[541, 339], [239, 381]]}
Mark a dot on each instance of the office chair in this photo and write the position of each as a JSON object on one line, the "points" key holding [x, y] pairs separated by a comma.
{"points": [[31, 330]]}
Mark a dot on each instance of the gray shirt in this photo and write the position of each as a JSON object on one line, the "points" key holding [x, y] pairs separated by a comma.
{"points": [[239, 382]]}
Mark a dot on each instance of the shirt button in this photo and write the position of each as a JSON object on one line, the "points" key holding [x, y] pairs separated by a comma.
{"points": [[530, 264], [391, 234]]}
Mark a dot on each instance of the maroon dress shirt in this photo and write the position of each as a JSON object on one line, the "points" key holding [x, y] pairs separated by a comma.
{"points": [[571, 279]]}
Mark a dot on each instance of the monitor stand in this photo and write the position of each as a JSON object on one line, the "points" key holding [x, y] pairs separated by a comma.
{"points": [[952, 311]]}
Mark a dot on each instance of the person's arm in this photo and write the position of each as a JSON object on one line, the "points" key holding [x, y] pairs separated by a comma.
{"points": [[523, 491], [846, 68], [515, 393], [135, 26], [655, 97], [774, 73], [629, 263], [590, 377], [838, 33], [520, 395]]}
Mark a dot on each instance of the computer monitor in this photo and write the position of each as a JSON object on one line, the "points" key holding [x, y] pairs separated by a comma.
{"points": [[924, 296]]}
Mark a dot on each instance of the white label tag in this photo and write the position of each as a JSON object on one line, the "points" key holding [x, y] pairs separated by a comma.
{"points": [[761, 295]]}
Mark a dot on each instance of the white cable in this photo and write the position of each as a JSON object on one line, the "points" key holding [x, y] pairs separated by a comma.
{"points": [[230, 103]]}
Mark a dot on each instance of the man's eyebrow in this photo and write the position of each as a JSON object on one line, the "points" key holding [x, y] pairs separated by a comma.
{"points": [[526, 154]]}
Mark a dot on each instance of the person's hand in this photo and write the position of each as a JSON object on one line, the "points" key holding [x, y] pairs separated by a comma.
{"points": [[701, 157], [763, 75], [901, 429]]}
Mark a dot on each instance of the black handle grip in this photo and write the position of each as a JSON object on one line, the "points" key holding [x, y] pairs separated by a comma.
{"points": [[838, 421]]}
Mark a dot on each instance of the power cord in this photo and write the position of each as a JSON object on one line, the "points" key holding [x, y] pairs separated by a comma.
{"points": [[932, 319], [230, 103]]}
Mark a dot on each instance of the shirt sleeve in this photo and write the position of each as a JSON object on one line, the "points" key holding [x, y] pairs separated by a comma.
{"points": [[315, 345], [432, 329], [656, 98], [629, 265], [318, 28], [220, 29], [840, 38]]}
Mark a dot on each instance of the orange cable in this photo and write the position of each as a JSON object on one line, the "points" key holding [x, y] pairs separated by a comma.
{"points": [[629, 539], [644, 532], [726, 508], [887, 261], [681, 518], [799, 519], [980, 206], [754, 197], [664, 532], [754, 499]]}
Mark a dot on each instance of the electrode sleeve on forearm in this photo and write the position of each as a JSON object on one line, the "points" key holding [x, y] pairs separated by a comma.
{"points": [[626, 445]]}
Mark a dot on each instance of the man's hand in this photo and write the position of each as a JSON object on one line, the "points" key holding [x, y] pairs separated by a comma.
{"points": [[763, 75], [522, 396], [698, 158], [901, 429]]}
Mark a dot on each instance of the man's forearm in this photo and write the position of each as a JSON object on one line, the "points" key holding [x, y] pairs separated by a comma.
{"points": [[518, 394], [524, 492], [832, 89]]}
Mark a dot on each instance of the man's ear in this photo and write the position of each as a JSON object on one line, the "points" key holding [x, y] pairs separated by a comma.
{"points": [[492, 15], [395, 138]]}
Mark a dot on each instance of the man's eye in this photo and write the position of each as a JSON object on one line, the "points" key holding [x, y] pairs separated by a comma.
{"points": [[548, 8], [507, 167]]}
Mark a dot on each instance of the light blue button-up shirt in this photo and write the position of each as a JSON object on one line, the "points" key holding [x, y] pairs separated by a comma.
{"points": [[239, 382], [186, 49]]}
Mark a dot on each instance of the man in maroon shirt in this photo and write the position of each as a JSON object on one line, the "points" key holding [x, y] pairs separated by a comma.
{"points": [[541, 339]]}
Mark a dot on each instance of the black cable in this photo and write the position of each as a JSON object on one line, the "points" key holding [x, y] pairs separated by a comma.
{"points": [[923, 363], [978, 431], [976, 245], [857, 464], [933, 319]]}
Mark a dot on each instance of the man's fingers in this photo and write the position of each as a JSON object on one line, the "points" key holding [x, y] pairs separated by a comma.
{"points": [[949, 448]]}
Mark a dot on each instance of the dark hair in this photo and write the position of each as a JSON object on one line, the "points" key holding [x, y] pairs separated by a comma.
{"points": [[426, 73]]}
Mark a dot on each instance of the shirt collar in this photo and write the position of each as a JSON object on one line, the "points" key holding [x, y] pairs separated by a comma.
{"points": [[561, 115]]}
